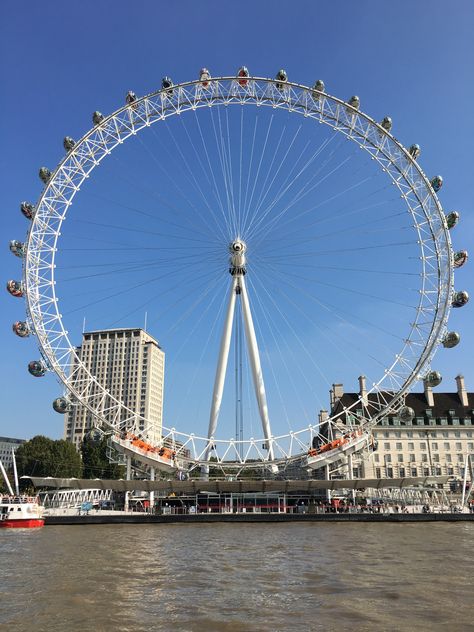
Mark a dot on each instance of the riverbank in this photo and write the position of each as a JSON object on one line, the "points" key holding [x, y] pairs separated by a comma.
{"points": [[141, 518]]}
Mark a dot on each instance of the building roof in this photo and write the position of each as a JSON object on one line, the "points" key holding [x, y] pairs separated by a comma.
{"points": [[443, 403], [238, 487]]}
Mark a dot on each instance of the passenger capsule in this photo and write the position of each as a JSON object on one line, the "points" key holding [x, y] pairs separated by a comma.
{"points": [[18, 248], [61, 405], [433, 378], [130, 97], [414, 151], [167, 85], [68, 143], [37, 368], [281, 79], [386, 123], [28, 210], [460, 258], [15, 288], [354, 102], [21, 329], [243, 73], [451, 339], [95, 435], [317, 88], [452, 219], [406, 413], [44, 174], [97, 118], [460, 299], [436, 183], [204, 76]]}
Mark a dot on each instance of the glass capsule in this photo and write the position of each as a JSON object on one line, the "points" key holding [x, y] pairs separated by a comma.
{"points": [[451, 339], [406, 413], [36, 368], [28, 210], [436, 183], [460, 299], [204, 76], [355, 102], [130, 97], [61, 405], [433, 378], [318, 87], [21, 329], [452, 219], [17, 248], [414, 151], [460, 258], [15, 288], [97, 118], [167, 85], [243, 73], [44, 174], [68, 143], [281, 78], [386, 123]]}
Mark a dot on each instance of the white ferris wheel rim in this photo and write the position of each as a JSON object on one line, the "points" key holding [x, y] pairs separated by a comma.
{"points": [[428, 327]]}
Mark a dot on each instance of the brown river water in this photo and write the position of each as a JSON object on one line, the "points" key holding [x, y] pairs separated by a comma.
{"points": [[238, 578]]}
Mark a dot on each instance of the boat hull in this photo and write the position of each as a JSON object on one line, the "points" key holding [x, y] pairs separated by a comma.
{"points": [[22, 523]]}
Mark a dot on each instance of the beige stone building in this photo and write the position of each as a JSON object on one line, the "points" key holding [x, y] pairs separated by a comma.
{"points": [[130, 364], [436, 441]]}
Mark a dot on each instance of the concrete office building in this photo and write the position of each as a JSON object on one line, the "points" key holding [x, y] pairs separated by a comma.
{"points": [[435, 442], [6, 445], [130, 364]]}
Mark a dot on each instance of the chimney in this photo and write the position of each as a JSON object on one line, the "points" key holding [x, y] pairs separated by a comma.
{"points": [[363, 389], [336, 393], [323, 415], [428, 394], [462, 390]]}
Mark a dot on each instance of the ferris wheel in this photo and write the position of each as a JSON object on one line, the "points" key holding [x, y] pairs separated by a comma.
{"points": [[272, 261]]}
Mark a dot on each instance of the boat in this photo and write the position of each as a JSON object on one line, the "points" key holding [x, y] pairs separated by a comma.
{"points": [[18, 510], [22, 512]]}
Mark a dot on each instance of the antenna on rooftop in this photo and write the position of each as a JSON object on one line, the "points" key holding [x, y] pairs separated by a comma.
{"points": [[146, 318], [83, 324]]}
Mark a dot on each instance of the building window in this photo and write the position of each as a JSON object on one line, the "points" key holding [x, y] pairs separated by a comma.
{"points": [[412, 458], [414, 471], [386, 446], [399, 446], [388, 458], [458, 447], [424, 458], [411, 446], [422, 445], [400, 458], [434, 445]]}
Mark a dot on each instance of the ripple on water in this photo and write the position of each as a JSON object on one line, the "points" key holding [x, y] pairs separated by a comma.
{"points": [[241, 577]]}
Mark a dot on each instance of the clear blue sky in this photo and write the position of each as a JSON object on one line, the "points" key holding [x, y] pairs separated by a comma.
{"points": [[61, 61]]}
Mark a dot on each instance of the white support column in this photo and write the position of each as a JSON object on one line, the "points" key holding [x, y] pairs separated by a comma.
{"points": [[257, 374], [151, 495], [221, 370], [128, 477]]}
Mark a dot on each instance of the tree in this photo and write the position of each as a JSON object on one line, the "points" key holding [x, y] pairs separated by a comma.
{"points": [[42, 456], [95, 461]]}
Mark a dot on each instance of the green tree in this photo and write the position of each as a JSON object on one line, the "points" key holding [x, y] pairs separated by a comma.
{"points": [[95, 461], [42, 456]]}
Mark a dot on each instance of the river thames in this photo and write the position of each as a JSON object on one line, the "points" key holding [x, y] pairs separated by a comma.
{"points": [[238, 578]]}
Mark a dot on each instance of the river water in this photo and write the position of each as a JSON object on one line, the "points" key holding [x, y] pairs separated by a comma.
{"points": [[238, 578]]}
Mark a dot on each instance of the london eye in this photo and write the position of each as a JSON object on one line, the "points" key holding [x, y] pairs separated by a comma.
{"points": [[270, 255]]}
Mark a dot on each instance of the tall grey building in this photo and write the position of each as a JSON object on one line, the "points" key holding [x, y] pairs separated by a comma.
{"points": [[130, 364]]}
